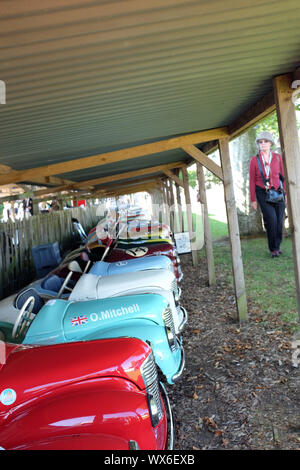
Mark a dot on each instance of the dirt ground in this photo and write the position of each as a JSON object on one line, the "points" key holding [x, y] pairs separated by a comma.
{"points": [[240, 390]]}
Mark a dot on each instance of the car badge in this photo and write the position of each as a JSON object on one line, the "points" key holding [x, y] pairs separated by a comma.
{"points": [[137, 252], [8, 396]]}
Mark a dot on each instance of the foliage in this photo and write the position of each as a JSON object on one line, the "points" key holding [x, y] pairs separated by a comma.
{"points": [[192, 174], [210, 178], [270, 124]]}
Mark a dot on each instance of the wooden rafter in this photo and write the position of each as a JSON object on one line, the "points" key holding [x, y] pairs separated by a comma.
{"points": [[130, 189], [174, 177], [257, 112], [200, 157], [41, 180], [126, 184], [113, 157], [111, 178]]}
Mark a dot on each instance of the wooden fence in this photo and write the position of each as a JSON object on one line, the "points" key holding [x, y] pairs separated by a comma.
{"points": [[17, 239]]}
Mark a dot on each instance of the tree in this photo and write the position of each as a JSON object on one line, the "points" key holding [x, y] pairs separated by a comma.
{"points": [[243, 148]]}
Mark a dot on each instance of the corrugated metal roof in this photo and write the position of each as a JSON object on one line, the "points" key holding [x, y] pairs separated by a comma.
{"points": [[87, 77]]}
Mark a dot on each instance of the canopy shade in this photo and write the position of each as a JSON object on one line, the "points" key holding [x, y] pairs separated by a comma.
{"points": [[85, 78]]}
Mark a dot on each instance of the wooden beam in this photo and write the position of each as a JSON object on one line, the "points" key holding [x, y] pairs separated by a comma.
{"points": [[206, 227], [200, 157], [174, 177], [50, 180], [179, 226], [112, 178], [253, 115], [165, 183], [125, 184], [172, 205], [113, 157], [133, 173], [256, 113], [234, 233], [289, 140], [42, 180], [130, 190], [189, 213]]}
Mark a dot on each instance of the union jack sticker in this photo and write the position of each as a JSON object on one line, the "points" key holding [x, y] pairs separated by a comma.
{"points": [[80, 320]]}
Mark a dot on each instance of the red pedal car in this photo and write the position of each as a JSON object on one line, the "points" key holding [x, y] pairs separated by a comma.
{"points": [[87, 395]]}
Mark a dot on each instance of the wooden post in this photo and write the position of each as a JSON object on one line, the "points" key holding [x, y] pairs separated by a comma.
{"points": [[234, 233], [207, 234], [35, 204], [164, 204], [189, 213], [179, 227], [289, 140], [172, 212]]}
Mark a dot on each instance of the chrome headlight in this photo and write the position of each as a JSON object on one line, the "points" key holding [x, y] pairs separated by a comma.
{"points": [[150, 377], [176, 291], [149, 371], [167, 317], [171, 339]]}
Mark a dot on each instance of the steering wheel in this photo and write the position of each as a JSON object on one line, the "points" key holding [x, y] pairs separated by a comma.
{"points": [[23, 317]]}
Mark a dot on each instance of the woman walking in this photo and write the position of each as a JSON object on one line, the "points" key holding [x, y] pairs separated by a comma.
{"points": [[265, 172]]}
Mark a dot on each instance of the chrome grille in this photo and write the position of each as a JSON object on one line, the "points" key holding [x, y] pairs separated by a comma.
{"points": [[168, 319], [149, 371], [175, 289], [153, 391], [150, 376]]}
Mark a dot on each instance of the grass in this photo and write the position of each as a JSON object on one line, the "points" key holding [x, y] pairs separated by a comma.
{"points": [[270, 282], [218, 229]]}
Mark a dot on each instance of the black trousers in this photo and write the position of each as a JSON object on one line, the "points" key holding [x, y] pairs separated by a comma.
{"points": [[273, 219]]}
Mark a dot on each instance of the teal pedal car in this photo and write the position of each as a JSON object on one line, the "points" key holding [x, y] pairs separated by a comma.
{"points": [[144, 316]]}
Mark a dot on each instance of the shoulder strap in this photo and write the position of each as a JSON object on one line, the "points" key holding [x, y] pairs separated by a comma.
{"points": [[260, 169], [281, 177]]}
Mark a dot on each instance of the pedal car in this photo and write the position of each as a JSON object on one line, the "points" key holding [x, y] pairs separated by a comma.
{"points": [[91, 286], [60, 282], [144, 316], [79, 396]]}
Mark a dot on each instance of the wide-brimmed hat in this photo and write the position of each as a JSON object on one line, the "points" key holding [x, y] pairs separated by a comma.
{"points": [[265, 135]]}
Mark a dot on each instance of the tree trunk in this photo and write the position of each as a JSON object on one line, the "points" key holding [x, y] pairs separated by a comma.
{"points": [[243, 148]]}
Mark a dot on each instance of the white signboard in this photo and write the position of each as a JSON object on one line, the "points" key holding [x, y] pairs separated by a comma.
{"points": [[183, 243]]}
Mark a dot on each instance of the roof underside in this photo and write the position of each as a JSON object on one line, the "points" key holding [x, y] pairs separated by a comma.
{"points": [[89, 77]]}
